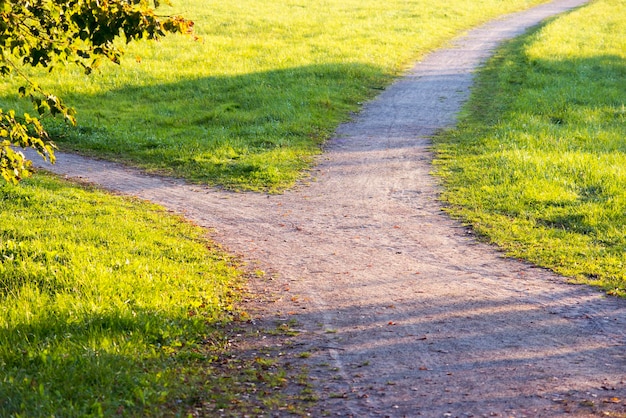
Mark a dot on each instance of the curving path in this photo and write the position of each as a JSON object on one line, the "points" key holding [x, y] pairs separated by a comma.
{"points": [[405, 313]]}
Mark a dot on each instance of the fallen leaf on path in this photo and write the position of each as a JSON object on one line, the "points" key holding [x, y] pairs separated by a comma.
{"points": [[612, 400]]}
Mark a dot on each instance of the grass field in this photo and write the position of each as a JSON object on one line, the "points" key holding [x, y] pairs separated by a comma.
{"points": [[248, 105], [98, 319], [538, 163]]}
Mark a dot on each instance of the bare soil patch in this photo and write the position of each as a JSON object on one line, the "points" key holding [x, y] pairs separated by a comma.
{"points": [[403, 312]]}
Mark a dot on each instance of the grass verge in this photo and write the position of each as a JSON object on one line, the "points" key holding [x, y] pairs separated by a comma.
{"points": [[110, 306], [249, 103], [538, 161]]}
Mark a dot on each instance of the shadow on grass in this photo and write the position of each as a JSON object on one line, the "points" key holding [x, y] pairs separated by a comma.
{"points": [[580, 90], [105, 365], [101, 363], [254, 131]]}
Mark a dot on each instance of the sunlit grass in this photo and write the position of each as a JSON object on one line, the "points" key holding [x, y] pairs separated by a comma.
{"points": [[539, 163], [248, 105], [107, 305]]}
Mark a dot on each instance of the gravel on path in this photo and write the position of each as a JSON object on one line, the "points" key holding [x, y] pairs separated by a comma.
{"points": [[404, 312]]}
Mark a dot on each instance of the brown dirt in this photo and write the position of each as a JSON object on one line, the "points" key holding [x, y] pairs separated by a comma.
{"points": [[404, 312]]}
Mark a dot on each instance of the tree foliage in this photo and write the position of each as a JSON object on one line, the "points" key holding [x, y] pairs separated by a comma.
{"points": [[45, 33]]}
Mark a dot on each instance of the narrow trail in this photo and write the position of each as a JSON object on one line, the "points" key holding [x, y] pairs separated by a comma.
{"points": [[405, 313]]}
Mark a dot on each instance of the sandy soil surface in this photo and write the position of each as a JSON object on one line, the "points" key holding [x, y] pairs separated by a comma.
{"points": [[403, 311]]}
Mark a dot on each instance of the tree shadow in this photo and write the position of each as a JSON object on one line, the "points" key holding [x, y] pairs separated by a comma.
{"points": [[541, 356], [258, 129], [94, 364]]}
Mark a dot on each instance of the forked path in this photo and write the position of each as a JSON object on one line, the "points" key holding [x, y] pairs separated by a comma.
{"points": [[405, 313]]}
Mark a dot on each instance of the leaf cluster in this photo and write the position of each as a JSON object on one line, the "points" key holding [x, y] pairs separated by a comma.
{"points": [[46, 33]]}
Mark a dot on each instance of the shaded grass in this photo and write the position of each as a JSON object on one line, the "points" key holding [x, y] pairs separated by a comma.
{"points": [[538, 162], [247, 131], [248, 105], [111, 306]]}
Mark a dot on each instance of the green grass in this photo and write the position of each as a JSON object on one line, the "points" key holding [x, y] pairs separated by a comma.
{"points": [[248, 105], [107, 305], [538, 163]]}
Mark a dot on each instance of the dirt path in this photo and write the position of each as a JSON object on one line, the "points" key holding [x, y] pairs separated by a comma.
{"points": [[405, 313]]}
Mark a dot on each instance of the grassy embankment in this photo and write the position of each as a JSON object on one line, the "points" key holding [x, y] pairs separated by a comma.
{"points": [[98, 319], [538, 163]]}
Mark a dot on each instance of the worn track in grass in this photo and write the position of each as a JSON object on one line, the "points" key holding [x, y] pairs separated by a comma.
{"points": [[404, 312]]}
